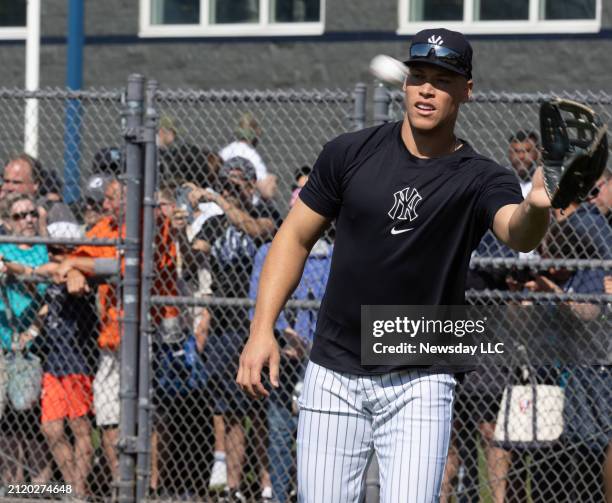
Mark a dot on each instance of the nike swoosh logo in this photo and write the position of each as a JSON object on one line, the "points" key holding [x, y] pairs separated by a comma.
{"points": [[395, 231]]}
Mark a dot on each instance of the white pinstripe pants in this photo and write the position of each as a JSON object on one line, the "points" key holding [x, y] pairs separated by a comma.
{"points": [[405, 417]]}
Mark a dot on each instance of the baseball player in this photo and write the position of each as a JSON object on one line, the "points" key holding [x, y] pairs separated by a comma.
{"points": [[411, 201]]}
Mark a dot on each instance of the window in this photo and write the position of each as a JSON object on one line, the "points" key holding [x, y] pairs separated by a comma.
{"points": [[502, 16], [12, 19], [175, 12], [293, 11], [436, 10], [570, 9], [501, 10], [159, 18], [234, 11]]}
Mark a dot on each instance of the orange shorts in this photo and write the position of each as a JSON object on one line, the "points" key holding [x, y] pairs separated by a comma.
{"points": [[68, 396]]}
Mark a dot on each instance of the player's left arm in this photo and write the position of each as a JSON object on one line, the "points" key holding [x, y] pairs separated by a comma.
{"points": [[522, 226]]}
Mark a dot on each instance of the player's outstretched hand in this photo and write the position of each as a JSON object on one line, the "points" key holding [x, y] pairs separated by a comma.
{"points": [[261, 350], [538, 197]]}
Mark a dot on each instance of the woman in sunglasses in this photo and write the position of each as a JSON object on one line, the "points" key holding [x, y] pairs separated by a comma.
{"points": [[18, 328], [21, 259]]}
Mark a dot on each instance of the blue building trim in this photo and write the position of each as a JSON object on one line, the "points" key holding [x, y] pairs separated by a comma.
{"points": [[73, 117]]}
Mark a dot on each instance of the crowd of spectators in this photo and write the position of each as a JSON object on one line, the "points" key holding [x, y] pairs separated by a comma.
{"points": [[579, 466], [215, 217]]}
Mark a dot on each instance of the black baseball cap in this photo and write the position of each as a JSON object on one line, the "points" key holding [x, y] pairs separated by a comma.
{"points": [[444, 48], [94, 188]]}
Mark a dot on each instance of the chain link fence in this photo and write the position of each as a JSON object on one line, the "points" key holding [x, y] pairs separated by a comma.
{"points": [[53, 340], [160, 244]]}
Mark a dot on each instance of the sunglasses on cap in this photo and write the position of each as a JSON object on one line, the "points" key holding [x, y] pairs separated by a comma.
{"points": [[441, 53], [22, 215]]}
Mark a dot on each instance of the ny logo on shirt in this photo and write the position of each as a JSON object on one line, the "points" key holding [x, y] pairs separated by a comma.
{"points": [[405, 203]]}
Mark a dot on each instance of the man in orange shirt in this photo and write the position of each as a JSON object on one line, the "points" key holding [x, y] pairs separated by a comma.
{"points": [[104, 261]]}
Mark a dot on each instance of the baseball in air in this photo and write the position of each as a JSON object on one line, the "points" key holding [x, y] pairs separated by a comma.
{"points": [[388, 69]]}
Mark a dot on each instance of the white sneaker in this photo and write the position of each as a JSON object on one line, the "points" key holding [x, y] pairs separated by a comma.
{"points": [[218, 475], [267, 495], [232, 496]]}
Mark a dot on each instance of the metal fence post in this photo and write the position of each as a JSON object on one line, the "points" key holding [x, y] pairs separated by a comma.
{"points": [[131, 289], [382, 102], [359, 112], [148, 231]]}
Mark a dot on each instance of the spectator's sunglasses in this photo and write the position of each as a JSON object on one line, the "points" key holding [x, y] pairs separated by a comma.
{"points": [[233, 184], [92, 204], [595, 190], [443, 54], [24, 214]]}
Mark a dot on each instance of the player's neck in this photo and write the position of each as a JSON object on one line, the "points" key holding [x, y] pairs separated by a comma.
{"points": [[429, 144]]}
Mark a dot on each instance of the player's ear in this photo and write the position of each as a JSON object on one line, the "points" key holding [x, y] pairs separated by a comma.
{"points": [[468, 90], [405, 84]]}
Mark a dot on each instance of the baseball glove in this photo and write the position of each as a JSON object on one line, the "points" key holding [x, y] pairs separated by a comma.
{"points": [[575, 150]]}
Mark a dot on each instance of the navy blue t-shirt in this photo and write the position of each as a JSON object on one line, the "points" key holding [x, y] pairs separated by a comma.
{"points": [[231, 259], [70, 331], [405, 229]]}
